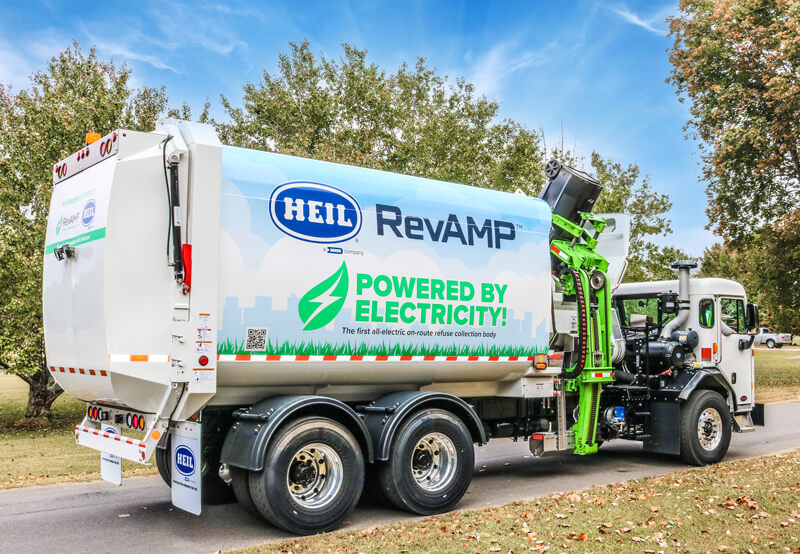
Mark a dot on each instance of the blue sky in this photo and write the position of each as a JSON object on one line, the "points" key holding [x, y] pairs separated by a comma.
{"points": [[595, 69]]}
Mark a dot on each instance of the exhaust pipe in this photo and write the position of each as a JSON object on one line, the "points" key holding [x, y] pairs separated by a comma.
{"points": [[683, 267]]}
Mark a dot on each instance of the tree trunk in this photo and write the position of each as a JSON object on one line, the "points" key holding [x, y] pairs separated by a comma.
{"points": [[42, 392]]}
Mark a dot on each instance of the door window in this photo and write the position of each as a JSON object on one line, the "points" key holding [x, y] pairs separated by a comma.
{"points": [[732, 313], [707, 313]]}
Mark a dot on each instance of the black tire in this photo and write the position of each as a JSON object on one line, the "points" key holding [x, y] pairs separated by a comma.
{"points": [[706, 404], [770, 343], [396, 477], [163, 461], [240, 483], [291, 450]]}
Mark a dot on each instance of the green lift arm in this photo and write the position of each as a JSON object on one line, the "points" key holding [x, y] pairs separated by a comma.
{"points": [[583, 275]]}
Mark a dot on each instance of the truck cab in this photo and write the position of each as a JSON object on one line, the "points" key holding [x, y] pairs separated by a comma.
{"points": [[718, 314]]}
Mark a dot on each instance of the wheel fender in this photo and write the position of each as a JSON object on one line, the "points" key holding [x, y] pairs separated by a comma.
{"points": [[709, 378], [385, 415], [248, 438]]}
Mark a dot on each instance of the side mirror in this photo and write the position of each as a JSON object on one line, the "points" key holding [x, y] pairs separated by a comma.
{"points": [[751, 318]]}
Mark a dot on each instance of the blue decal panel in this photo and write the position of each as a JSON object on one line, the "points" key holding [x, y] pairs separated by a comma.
{"points": [[319, 258]]}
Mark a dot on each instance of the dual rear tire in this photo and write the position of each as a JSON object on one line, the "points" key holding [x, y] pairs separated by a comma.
{"points": [[314, 472]]}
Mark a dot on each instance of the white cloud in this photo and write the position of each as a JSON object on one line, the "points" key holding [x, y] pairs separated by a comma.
{"points": [[654, 23], [495, 66]]}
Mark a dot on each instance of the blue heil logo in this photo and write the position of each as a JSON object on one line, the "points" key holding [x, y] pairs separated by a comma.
{"points": [[315, 212], [87, 214], [184, 460]]}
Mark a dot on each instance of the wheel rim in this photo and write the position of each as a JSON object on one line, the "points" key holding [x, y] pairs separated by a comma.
{"points": [[434, 462], [314, 477], [709, 429]]}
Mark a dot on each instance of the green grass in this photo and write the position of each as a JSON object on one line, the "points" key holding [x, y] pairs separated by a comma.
{"points": [[46, 456], [777, 374], [748, 505], [303, 348]]}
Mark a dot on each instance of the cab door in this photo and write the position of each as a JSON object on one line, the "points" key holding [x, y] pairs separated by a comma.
{"points": [[735, 362]]}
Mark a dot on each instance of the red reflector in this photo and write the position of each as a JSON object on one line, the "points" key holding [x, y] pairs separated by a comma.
{"points": [[135, 421], [743, 399], [555, 249], [705, 353], [537, 437], [102, 148], [186, 255]]}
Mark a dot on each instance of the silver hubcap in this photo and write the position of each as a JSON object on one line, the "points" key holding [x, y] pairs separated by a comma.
{"points": [[434, 462], [709, 429], [315, 475]]}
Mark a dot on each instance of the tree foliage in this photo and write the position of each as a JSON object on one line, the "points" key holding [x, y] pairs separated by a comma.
{"points": [[769, 268], [411, 121], [738, 62], [39, 126]]}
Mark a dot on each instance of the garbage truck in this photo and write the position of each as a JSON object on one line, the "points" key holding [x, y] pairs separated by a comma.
{"points": [[286, 332]]}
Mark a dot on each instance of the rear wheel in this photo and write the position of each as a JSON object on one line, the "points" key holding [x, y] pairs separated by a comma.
{"points": [[312, 478], [431, 464], [240, 483], [163, 461], [705, 428]]}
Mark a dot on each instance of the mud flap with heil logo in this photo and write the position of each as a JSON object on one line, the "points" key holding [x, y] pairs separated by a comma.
{"points": [[186, 465]]}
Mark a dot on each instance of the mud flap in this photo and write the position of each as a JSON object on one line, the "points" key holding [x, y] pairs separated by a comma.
{"points": [[186, 467], [758, 415], [111, 465], [664, 428]]}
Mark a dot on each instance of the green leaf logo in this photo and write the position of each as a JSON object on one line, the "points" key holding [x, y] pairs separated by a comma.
{"points": [[320, 305], [58, 225]]}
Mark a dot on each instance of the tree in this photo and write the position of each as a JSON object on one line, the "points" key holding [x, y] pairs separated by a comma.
{"points": [[411, 121], [738, 62], [38, 126], [773, 284]]}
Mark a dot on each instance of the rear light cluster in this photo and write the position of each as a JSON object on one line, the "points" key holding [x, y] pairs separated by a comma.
{"points": [[83, 154], [135, 421], [96, 413], [61, 170], [105, 147]]}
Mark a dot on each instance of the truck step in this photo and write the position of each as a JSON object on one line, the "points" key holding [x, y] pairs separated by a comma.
{"points": [[743, 423]]}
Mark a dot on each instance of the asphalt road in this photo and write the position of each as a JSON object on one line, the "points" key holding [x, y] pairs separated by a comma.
{"points": [[99, 517]]}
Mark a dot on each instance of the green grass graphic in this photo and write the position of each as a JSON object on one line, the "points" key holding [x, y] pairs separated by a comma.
{"points": [[305, 348]]}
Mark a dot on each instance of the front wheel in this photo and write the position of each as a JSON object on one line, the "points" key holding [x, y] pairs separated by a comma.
{"points": [[431, 464], [770, 343], [705, 428], [312, 478]]}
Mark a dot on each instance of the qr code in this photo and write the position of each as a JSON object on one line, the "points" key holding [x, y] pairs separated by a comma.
{"points": [[256, 339]]}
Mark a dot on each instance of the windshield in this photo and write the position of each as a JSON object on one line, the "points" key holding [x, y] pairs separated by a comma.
{"points": [[640, 309]]}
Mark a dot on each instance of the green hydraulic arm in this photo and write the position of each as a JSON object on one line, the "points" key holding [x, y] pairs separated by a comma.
{"points": [[583, 274]]}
